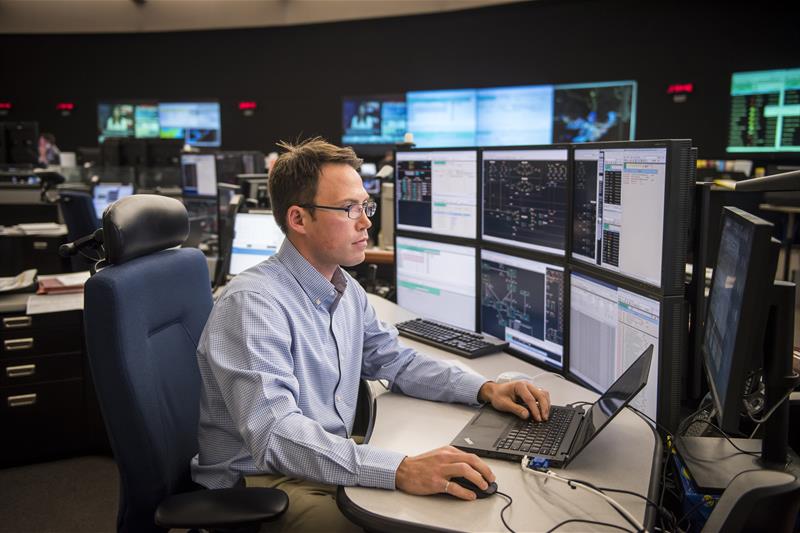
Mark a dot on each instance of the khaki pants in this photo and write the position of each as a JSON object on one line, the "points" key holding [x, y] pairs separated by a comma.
{"points": [[312, 506]]}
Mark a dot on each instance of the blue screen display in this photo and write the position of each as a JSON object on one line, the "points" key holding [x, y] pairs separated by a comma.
{"points": [[440, 119]]}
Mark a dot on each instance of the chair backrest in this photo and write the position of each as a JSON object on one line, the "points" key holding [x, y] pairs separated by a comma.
{"points": [[757, 500], [77, 209], [144, 313]]}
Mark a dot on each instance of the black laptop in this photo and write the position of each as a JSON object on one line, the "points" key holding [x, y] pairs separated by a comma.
{"points": [[567, 431]]}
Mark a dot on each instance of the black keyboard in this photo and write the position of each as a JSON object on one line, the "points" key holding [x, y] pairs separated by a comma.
{"points": [[450, 338], [541, 438]]}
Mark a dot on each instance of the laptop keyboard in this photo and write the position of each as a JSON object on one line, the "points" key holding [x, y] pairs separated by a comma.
{"points": [[543, 438]]}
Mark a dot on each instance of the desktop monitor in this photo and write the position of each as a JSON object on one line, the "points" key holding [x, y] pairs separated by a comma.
{"points": [[195, 123], [592, 112], [436, 280], [631, 210], [763, 112], [610, 327], [256, 237], [231, 164], [738, 305], [514, 115], [116, 119], [525, 197], [436, 191], [373, 119], [199, 174], [440, 119], [522, 302], [105, 194], [21, 142]]}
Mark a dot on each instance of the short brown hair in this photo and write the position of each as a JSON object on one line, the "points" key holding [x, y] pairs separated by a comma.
{"points": [[295, 174]]}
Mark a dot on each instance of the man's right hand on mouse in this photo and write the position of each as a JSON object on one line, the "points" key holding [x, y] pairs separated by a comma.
{"points": [[430, 473]]}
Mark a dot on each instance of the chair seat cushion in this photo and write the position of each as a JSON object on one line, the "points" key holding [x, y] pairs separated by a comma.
{"points": [[221, 508]]}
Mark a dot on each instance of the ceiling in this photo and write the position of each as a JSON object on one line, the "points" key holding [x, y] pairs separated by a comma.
{"points": [[110, 16]]}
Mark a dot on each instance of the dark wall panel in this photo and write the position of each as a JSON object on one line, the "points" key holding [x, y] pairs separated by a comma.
{"points": [[299, 74]]}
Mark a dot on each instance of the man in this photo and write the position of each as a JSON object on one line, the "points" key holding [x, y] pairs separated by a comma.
{"points": [[287, 343]]}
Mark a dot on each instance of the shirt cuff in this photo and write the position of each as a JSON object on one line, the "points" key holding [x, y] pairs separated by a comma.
{"points": [[378, 467], [466, 388]]}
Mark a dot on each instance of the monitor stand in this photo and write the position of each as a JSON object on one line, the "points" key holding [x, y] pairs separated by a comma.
{"points": [[713, 462]]}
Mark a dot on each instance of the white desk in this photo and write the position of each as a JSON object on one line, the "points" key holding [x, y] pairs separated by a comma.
{"points": [[626, 455]]}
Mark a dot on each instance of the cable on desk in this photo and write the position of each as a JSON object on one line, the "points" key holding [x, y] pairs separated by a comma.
{"points": [[724, 436], [582, 521], [503, 510], [664, 430], [549, 474], [662, 511]]}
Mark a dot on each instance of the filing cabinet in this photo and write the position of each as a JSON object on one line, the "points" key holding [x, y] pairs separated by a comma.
{"points": [[48, 407]]}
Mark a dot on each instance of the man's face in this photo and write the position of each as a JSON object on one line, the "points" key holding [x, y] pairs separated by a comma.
{"points": [[336, 239]]}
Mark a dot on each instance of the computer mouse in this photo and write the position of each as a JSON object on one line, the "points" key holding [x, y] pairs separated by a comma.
{"points": [[512, 376], [469, 485]]}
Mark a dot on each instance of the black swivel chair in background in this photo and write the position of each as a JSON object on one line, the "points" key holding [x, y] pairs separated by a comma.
{"points": [[144, 312], [77, 209]]}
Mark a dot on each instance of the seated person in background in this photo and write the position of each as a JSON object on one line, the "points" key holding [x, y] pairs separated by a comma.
{"points": [[49, 154], [287, 343]]}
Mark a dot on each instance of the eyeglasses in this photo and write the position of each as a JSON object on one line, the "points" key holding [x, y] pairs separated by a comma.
{"points": [[353, 211]]}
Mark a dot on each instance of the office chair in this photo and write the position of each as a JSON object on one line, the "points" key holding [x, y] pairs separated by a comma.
{"points": [[757, 500], [78, 212], [144, 311]]}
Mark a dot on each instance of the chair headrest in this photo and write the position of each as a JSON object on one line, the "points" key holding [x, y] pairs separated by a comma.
{"points": [[142, 224]]}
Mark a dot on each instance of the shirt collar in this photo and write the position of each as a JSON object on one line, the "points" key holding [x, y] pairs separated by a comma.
{"points": [[318, 289]]}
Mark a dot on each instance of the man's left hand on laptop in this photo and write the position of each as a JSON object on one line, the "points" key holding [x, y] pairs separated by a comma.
{"points": [[505, 397]]}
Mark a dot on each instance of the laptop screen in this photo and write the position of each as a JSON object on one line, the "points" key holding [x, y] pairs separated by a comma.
{"points": [[618, 395]]}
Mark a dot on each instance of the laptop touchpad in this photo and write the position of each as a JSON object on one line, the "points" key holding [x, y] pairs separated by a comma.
{"points": [[489, 418]]}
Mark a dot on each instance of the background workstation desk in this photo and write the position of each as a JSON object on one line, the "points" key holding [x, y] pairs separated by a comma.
{"points": [[626, 455]]}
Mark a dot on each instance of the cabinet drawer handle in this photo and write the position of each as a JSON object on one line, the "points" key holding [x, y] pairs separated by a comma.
{"points": [[20, 371], [40, 245], [18, 344], [17, 321], [22, 400]]}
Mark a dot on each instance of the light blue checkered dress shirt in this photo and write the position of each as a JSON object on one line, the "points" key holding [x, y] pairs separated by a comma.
{"points": [[280, 359]]}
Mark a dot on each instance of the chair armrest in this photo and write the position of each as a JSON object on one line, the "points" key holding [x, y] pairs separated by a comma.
{"points": [[221, 508]]}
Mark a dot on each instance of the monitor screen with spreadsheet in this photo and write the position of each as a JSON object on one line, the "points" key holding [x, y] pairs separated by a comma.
{"points": [[256, 237], [437, 280], [436, 192], [609, 328], [631, 210]]}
